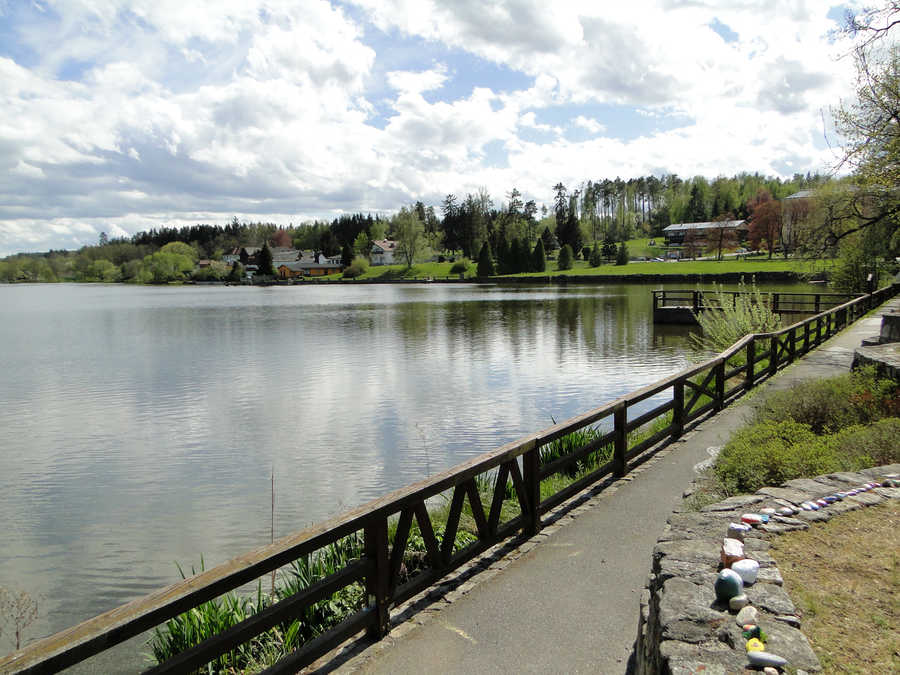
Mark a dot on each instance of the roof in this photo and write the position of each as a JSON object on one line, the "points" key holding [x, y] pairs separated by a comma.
{"points": [[300, 265], [385, 244], [285, 254], [802, 194], [713, 225]]}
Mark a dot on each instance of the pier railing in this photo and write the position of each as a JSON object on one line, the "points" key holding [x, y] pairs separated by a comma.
{"points": [[779, 302], [503, 490]]}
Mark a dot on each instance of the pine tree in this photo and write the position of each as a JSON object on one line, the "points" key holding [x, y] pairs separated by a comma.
{"points": [[596, 256], [264, 261], [550, 243], [565, 258], [486, 261], [539, 257], [622, 254]]}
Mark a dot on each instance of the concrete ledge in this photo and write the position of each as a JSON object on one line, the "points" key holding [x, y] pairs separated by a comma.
{"points": [[683, 629]]}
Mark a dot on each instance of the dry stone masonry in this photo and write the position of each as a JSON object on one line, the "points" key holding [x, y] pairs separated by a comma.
{"points": [[714, 602]]}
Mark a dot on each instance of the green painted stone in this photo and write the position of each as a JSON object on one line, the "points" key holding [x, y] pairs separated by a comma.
{"points": [[728, 585]]}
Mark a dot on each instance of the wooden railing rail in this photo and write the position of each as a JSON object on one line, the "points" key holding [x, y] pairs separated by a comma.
{"points": [[783, 302], [632, 432]]}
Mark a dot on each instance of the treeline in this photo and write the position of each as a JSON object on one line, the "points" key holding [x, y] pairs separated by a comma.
{"points": [[604, 210]]}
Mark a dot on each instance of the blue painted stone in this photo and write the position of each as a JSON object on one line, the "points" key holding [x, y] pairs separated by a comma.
{"points": [[728, 585], [830, 499]]}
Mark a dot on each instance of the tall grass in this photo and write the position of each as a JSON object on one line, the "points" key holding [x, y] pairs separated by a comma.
{"points": [[749, 312]]}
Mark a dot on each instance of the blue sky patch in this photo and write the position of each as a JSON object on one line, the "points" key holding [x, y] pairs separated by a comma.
{"points": [[727, 34]]}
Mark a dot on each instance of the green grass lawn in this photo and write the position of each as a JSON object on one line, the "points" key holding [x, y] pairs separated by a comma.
{"points": [[435, 270]]}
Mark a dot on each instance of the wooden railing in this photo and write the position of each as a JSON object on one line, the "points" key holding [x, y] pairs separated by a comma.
{"points": [[782, 303], [514, 473]]}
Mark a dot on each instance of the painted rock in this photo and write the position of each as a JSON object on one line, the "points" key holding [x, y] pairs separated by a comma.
{"points": [[751, 631], [769, 511], [769, 670], [765, 517], [785, 511], [766, 659], [806, 506], [751, 518], [815, 506], [821, 502], [738, 602], [747, 615], [755, 645], [830, 499], [732, 551], [728, 585], [738, 530], [747, 569]]}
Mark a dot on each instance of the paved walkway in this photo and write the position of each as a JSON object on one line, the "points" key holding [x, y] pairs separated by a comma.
{"points": [[570, 604]]}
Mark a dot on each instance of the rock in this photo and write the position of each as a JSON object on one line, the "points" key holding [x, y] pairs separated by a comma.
{"points": [[747, 569], [751, 518], [738, 602], [747, 615], [769, 670], [768, 511], [806, 506], [821, 502], [738, 530], [786, 511], [732, 551], [755, 645], [789, 619], [766, 659], [830, 499], [728, 585]]}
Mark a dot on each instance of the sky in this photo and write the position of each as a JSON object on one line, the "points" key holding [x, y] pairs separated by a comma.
{"points": [[119, 116]]}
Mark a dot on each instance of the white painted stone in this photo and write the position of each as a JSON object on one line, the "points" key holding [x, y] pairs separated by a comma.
{"points": [[732, 551], [769, 511], [747, 569]]}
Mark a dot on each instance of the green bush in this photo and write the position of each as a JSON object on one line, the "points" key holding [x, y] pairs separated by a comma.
{"points": [[756, 455], [835, 403], [357, 268], [460, 267]]}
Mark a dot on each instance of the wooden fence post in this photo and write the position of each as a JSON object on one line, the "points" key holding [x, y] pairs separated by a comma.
{"points": [[751, 362], [720, 384], [620, 424], [377, 583], [792, 345], [531, 462], [773, 355], [678, 409]]}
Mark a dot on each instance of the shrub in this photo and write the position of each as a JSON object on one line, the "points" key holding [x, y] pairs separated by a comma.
{"points": [[749, 312], [357, 268], [837, 402], [622, 254], [460, 267], [486, 266], [756, 455], [565, 261]]}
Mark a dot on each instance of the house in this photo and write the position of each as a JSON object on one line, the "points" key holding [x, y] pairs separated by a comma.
{"points": [[247, 255], [309, 266], [675, 234], [233, 256], [382, 252]]}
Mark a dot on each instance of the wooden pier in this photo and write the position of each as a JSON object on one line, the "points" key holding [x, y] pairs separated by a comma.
{"points": [[683, 306]]}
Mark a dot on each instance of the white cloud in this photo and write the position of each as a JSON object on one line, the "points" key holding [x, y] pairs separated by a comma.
{"points": [[150, 112], [590, 124]]}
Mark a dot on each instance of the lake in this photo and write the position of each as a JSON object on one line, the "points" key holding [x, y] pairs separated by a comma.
{"points": [[141, 425]]}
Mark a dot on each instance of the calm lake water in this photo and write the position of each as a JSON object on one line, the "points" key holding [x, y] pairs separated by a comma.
{"points": [[140, 425]]}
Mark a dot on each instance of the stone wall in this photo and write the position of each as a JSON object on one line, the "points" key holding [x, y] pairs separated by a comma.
{"points": [[683, 629]]}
